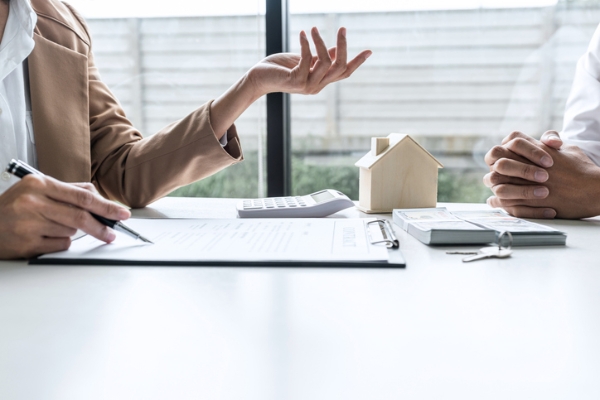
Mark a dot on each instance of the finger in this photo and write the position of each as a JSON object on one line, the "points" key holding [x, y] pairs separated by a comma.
{"points": [[355, 63], [492, 179], [86, 186], [52, 245], [78, 218], [314, 61], [516, 135], [530, 151], [78, 197], [523, 211], [332, 53], [324, 62], [552, 139], [321, 48], [520, 192], [341, 58], [51, 229], [342, 47], [505, 203], [498, 152], [518, 169], [36, 225], [306, 56], [45, 246]]}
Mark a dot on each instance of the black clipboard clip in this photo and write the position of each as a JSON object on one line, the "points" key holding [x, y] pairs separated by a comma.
{"points": [[390, 240]]}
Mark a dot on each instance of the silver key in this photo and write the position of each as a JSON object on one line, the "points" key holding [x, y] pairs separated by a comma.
{"points": [[489, 252]]}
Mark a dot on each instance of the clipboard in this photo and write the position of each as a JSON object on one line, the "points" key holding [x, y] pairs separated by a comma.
{"points": [[389, 237], [397, 262], [316, 243]]}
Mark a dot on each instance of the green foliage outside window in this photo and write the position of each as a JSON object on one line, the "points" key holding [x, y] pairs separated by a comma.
{"points": [[241, 181]]}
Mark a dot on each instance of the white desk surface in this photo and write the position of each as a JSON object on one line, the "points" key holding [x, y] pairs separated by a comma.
{"points": [[523, 328]]}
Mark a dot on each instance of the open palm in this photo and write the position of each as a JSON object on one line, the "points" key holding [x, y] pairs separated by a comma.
{"points": [[304, 73]]}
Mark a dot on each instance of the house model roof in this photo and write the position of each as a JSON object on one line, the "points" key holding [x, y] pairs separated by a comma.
{"points": [[396, 139]]}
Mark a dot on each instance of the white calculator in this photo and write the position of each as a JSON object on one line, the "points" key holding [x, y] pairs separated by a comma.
{"points": [[316, 205]]}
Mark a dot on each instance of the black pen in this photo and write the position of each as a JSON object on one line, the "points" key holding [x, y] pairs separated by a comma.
{"points": [[20, 169]]}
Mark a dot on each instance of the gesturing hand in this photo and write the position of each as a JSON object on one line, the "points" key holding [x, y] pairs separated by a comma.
{"points": [[291, 73], [533, 179], [39, 214], [305, 73]]}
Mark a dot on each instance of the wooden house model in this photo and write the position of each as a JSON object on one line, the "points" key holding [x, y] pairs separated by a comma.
{"points": [[397, 173]]}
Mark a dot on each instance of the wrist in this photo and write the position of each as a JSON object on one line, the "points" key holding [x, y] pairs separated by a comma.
{"points": [[231, 104], [250, 83], [260, 82]]}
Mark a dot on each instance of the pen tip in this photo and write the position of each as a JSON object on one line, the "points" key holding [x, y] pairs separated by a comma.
{"points": [[146, 240]]}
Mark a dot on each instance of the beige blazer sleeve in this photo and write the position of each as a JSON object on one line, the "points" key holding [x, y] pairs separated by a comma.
{"points": [[122, 164], [136, 170]]}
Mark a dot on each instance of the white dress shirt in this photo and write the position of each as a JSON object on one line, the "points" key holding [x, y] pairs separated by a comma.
{"points": [[582, 115], [16, 127]]}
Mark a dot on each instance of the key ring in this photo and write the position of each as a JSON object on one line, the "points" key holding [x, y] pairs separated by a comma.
{"points": [[510, 241]]}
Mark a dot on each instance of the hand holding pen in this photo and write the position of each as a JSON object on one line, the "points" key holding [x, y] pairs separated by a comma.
{"points": [[40, 214]]}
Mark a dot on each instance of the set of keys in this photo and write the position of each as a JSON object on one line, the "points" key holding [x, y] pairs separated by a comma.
{"points": [[488, 252]]}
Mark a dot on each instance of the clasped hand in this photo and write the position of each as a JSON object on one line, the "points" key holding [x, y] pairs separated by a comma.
{"points": [[542, 179]]}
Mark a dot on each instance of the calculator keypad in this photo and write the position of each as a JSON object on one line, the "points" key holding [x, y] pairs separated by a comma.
{"points": [[252, 204], [275, 202]]}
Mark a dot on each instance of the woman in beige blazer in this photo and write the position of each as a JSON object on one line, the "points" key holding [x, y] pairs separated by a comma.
{"points": [[83, 135]]}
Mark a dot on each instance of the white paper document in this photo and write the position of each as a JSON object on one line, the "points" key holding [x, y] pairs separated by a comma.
{"points": [[243, 240]]}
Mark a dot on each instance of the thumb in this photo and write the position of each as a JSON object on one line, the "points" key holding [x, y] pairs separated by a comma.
{"points": [[552, 139], [86, 186]]}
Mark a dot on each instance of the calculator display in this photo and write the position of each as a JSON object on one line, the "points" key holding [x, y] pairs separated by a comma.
{"points": [[322, 196]]}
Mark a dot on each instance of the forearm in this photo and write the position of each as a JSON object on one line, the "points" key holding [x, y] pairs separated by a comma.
{"points": [[137, 172], [226, 109]]}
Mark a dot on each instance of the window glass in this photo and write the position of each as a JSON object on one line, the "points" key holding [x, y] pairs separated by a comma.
{"points": [[164, 59], [456, 75]]}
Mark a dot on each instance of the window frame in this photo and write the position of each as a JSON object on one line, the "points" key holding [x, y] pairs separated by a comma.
{"points": [[279, 177]]}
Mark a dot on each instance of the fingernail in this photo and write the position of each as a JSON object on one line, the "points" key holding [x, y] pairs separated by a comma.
{"points": [[541, 192], [546, 161], [541, 176], [553, 137], [549, 214], [124, 214], [368, 55], [110, 236], [343, 32]]}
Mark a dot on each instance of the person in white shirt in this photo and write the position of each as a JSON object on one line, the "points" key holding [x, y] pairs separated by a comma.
{"points": [[39, 214], [559, 175]]}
